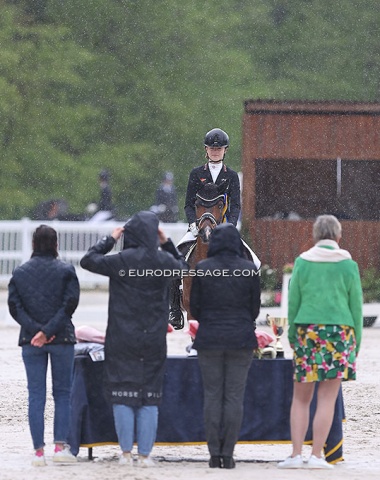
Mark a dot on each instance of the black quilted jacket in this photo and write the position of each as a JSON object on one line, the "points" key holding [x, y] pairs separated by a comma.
{"points": [[43, 294]]}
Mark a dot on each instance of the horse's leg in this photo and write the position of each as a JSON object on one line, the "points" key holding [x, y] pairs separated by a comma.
{"points": [[199, 253], [176, 318], [186, 287]]}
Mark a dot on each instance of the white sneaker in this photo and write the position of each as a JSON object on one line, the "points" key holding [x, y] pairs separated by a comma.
{"points": [[64, 456], [291, 462], [315, 462], [39, 461], [126, 459], [145, 461]]}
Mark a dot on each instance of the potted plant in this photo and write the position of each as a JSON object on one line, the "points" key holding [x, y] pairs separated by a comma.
{"points": [[287, 270], [268, 283], [371, 292]]}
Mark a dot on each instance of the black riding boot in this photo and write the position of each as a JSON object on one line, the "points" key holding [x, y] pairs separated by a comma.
{"points": [[176, 318]]}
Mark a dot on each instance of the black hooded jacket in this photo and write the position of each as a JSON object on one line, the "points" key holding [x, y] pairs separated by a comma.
{"points": [[225, 294], [138, 311]]}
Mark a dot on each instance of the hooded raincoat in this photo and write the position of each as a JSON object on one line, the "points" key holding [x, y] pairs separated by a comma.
{"points": [[138, 311], [225, 294]]}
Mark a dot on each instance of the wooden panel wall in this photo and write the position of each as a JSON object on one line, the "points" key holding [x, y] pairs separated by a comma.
{"points": [[316, 131], [278, 242]]}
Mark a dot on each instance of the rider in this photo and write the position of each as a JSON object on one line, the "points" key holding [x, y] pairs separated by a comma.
{"points": [[214, 170], [216, 143]]}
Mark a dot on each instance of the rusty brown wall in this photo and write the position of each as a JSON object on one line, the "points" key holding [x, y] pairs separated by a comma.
{"points": [[287, 134]]}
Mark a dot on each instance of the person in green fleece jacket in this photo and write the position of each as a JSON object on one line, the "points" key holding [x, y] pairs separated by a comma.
{"points": [[325, 329]]}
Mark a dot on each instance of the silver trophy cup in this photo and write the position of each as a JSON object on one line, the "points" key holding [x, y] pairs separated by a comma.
{"points": [[278, 325]]}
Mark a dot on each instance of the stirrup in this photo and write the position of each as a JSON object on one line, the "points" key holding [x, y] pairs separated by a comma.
{"points": [[176, 319]]}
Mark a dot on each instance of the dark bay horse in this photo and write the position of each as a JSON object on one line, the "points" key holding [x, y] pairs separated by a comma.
{"points": [[210, 209]]}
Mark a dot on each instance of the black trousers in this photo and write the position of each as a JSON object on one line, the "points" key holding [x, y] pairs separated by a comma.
{"points": [[224, 376]]}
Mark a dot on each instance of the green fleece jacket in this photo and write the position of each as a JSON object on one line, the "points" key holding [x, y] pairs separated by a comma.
{"points": [[325, 293]]}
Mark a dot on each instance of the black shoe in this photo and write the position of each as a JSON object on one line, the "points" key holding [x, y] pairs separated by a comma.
{"points": [[215, 462], [176, 319], [228, 462]]}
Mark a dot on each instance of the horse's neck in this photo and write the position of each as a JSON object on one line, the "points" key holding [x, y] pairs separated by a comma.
{"points": [[201, 250]]}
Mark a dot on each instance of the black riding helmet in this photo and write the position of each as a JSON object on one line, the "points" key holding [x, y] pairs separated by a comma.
{"points": [[216, 138]]}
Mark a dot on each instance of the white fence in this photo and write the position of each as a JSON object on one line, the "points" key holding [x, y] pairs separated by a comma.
{"points": [[74, 239]]}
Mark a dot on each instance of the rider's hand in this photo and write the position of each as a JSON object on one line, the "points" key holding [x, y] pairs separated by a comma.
{"points": [[193, 229]]}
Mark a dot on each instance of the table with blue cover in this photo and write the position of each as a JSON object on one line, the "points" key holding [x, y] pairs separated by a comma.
{"points": [[266, 406]]}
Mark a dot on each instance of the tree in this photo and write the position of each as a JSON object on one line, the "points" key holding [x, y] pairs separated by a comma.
{"points": [[133, 86]]}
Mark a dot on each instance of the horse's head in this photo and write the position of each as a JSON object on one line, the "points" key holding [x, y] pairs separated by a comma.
{"points": [[210, 207]]}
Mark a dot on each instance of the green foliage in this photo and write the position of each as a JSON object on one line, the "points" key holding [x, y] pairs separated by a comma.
{"points": [[371, 285], [268, 278], [132, 86]]}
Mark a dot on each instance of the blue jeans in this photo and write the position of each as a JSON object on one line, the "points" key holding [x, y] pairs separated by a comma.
{"points": [[61, 362], [146, 419]]}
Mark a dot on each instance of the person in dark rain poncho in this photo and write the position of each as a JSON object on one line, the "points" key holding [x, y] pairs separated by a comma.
{"points": [[135, 344]]}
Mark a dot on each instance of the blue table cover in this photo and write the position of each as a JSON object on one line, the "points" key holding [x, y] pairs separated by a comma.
{"points": [[266, 406]]}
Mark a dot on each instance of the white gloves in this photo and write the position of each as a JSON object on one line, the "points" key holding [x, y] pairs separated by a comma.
{"points": [[193, 229]]}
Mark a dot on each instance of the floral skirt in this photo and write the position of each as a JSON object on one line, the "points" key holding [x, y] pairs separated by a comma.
{"points": [[324, 352]]}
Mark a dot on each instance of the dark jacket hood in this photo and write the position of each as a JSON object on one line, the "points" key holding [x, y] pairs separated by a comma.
{"points": [[141, 230], [225, 239]]}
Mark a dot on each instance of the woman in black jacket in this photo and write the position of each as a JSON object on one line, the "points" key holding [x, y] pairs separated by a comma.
{"points": [[43, 294], [225, 299], [135, 345]]}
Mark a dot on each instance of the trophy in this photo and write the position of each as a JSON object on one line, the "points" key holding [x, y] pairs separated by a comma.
{"points": [[278, 324]]}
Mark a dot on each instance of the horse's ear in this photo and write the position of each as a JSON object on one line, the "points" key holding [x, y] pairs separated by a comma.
{"points": [[223, 186]]}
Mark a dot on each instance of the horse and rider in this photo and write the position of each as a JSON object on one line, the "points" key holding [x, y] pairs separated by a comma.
{"points": [[212, 197]]}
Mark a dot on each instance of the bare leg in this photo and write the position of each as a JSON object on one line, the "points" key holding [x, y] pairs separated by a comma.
{"points": [[324, 414], [300, 414]]}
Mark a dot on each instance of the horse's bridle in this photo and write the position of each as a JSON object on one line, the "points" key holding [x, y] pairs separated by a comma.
{"points": [[206, 216]]}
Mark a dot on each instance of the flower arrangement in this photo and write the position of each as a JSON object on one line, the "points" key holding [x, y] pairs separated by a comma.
{"points": [[288, 268]]}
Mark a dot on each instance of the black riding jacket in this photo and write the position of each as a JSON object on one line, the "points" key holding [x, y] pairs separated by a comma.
{"points": [[202, 175]]}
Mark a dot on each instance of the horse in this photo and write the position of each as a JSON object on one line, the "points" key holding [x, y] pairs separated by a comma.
{"points": [[210, 209]]}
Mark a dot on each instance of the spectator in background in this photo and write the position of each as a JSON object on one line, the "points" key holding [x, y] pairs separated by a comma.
{"points": [[325, 330], [104, 209], [53, 209], [166, 205], [43, 295]]}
